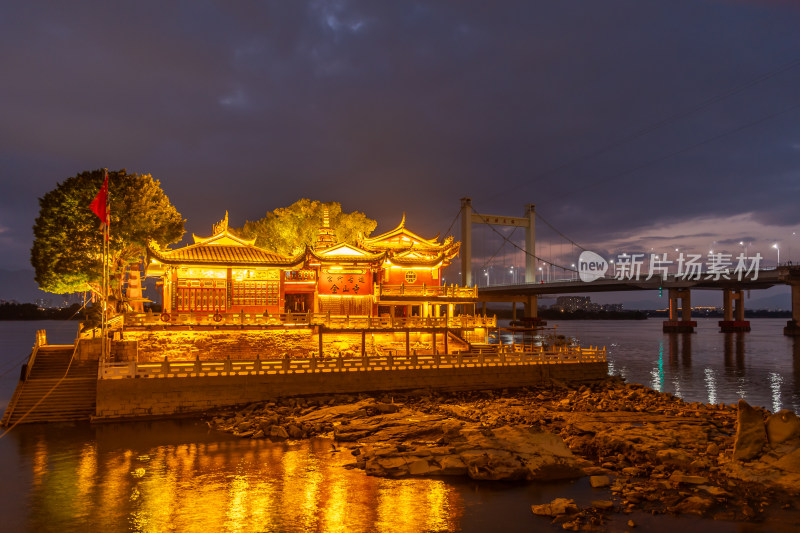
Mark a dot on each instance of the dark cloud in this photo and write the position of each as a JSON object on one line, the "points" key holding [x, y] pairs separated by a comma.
{"points": [[612, 117]]}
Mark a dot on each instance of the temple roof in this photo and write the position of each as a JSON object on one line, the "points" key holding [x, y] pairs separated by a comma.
{"points": [[346, 253], [222, 248], [406, 248], [401, 238]]}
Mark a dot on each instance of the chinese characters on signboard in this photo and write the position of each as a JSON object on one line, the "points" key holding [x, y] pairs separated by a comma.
{"points": [[346, 282]]}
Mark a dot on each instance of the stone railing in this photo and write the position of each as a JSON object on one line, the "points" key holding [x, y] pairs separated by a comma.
{"points": [[386, 362], [433, 291], [354, 322]]}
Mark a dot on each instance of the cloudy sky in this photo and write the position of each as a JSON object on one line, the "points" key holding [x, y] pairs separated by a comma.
{"points": [[631, 124]]}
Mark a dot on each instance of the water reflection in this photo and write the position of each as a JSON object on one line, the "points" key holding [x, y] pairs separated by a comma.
{"points": [[658, 372], [227, 485], [734, 350], [680, 349]]}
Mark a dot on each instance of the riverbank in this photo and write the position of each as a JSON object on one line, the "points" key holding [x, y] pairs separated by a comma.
{"points": [[643, 451]]}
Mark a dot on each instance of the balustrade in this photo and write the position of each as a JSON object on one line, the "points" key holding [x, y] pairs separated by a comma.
{"points": [[504, 357]]}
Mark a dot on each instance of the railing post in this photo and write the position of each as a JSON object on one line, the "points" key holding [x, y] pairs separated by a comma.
{"points": [[165, 366], [228, 367], [257, 364], [285, 362], [198, 367], [313, 364]]}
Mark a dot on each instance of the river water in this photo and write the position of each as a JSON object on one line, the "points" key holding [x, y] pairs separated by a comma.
{"points": [[177, 475]]}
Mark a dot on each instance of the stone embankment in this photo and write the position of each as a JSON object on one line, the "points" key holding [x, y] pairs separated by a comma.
{"points": [[642, 450]]}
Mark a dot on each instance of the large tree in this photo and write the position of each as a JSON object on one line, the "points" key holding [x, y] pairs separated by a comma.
{"points": [[68, 240], [288, 229]]}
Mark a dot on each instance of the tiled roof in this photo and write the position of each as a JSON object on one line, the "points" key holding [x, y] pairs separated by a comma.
{"points": [[223, 254]]}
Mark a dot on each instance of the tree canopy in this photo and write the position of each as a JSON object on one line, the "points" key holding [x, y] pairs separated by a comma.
{"points": [[287, 230], [67, 249]]}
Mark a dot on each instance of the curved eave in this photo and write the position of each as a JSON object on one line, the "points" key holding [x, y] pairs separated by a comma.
{"points": [[165, 259], [400, 230], [372, 258], [418, 261]]}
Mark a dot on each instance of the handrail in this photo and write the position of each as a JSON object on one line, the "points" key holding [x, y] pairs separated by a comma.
{"points": [[308, 320], [41, 340], [442, 291], [387, 362]]}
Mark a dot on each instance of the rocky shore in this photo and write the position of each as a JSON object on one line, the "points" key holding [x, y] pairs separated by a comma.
{"points": [[642, 450]]}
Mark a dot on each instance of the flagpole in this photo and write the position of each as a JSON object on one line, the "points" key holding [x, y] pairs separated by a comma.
{"points": [[104, 348]]}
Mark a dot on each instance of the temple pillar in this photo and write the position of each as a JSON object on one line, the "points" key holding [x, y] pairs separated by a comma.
{"points": [[733, 312], [682, 323]]}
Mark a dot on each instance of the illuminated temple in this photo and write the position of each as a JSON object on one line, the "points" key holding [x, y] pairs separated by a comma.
{"points": [[396, 274]]}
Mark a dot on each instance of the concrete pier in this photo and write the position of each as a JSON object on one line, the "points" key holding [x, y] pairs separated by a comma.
{"points": [[793, 326], [682, 323], [733, 312]]}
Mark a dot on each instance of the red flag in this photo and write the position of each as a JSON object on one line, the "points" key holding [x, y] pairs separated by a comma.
{"points": [[100, 203]]}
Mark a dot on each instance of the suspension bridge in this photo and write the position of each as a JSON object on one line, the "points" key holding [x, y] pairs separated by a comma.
{"points": [[523, 281]]}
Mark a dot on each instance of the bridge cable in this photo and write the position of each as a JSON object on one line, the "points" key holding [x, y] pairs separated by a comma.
{"points": [[515, 245]]}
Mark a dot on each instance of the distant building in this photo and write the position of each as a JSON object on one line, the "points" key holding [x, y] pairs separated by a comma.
{"points": [[571, 304]]}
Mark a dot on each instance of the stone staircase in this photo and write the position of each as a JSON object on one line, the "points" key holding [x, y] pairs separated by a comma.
{"points": [[71, 398]]}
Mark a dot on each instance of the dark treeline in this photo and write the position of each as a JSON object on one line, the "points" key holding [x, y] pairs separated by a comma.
{"points": [[16, 311]]}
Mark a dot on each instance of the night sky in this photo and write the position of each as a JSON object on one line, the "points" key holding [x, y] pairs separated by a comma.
{"points": [[631, 124]]}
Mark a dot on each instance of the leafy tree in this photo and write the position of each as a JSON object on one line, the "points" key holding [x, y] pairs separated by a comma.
{"points": [[67, 252], [288, 229]]}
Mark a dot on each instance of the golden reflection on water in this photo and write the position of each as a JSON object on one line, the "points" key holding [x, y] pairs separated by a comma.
{"points": [[235, 486]]}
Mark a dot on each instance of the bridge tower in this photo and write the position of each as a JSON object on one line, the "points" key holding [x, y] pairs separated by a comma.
{"points": [[468, 218]]}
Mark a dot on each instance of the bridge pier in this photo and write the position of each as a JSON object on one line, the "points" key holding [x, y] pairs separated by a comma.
{"points": [[733, 304], [793, 326], [684, 323]]}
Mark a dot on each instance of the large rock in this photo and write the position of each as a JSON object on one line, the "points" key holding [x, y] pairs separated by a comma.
{"points": [[557, 507], [751, 436], [782, 426], [516, 453]]}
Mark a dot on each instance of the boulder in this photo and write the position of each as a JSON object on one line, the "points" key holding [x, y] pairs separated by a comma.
{"points": [[673, 457], [422, 467], [386, 466], [557, 507], [277, 433], [516, 453], [599, 481], [751, 436], [694, 505], [782, 426], [452, 465], [603, 505]]}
